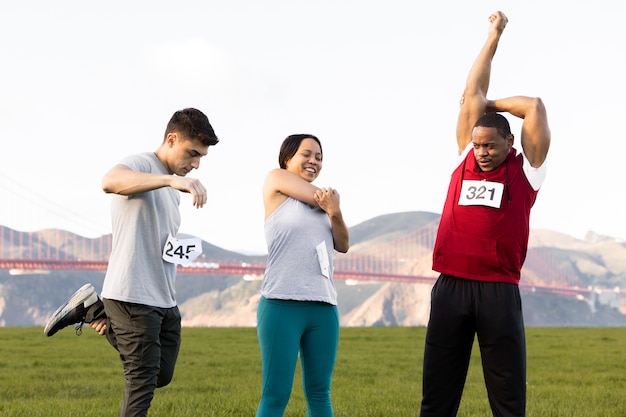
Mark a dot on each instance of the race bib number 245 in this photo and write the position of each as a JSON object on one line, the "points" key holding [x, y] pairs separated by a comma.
{"points": [[181, 251]]}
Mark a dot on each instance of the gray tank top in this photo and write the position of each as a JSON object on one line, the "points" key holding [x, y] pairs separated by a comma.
{"points": [[298, 239]]}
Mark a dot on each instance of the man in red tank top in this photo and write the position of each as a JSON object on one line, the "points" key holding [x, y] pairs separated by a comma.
{"points": [[481, 246]]}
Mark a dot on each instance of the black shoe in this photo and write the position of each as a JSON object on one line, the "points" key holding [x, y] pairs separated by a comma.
{"points": [[73, 311]]}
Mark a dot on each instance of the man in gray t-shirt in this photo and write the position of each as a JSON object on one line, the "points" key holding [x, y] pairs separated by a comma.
{"points": [[138, 311]]}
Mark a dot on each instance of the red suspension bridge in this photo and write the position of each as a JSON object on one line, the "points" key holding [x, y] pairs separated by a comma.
{"points": [[403, 259]]}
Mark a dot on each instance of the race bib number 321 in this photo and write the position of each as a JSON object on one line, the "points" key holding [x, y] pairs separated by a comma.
{"points": [[181, 251], [481, 193]]}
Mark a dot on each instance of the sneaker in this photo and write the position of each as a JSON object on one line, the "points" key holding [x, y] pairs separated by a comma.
{"points": [[73, 311]]}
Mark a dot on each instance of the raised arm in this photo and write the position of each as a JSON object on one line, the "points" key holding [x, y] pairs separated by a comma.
{"points": [[474, 99], [280, 184], [535, 130], [124, 181]]}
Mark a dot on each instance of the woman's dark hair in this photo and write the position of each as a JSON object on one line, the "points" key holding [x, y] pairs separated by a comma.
{"points": [[193, 124], [290, 146], [495, 120]]}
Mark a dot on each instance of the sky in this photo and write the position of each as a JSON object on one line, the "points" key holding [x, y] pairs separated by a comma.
{"points": [[86, 83]]}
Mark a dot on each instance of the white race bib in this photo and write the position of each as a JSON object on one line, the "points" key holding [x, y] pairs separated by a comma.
{"points": [[481, 193], [322, 257], [181, 251]]}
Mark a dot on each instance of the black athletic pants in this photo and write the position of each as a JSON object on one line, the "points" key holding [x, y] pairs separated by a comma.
{"points": [[148, 340], [460, 310]]}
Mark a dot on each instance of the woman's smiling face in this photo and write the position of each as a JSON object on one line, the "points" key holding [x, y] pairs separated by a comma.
{"points": [[307, 161]]}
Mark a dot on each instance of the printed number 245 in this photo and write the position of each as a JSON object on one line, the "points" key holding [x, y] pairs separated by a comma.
{"points": [[181, 250]]}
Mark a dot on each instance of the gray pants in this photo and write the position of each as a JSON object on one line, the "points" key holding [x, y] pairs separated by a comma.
{"points": [[148, 340]]}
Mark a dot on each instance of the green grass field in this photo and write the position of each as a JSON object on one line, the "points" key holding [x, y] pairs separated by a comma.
{"points": [[572, 372]]}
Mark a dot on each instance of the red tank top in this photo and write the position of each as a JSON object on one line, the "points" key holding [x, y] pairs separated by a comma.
{"points": [[484, 227]]}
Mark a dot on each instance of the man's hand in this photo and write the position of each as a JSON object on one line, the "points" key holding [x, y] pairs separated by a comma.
{"points": [[99, 325], [498, 22], [192, 186]]}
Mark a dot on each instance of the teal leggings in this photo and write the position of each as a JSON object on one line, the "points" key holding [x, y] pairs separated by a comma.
{"points": [[285, 328]]}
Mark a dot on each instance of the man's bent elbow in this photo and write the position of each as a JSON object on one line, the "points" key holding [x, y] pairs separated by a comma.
{"points": [[107, 186], [538, 106]]}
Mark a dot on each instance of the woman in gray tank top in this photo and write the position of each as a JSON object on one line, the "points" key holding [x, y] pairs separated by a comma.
{"points": [[297, 313]]}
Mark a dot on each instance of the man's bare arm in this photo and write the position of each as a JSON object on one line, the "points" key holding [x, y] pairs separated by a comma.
{"points": [[124, 181], [474, 99], [535, 130]]}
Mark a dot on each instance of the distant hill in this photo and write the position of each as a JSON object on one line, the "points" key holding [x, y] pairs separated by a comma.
{"points": [[390, 224], [218, 300]]}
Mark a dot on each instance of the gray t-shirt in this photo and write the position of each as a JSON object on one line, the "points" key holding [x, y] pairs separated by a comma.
{"points": [[141, 224], [298, 239]]}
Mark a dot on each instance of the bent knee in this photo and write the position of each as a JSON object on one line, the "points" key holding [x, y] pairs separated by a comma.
{"points": [[163, 380]]}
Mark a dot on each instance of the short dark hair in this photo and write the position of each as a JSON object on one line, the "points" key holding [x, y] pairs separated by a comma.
{"points": [[495, 120], [290, 146], [193, 124]]}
